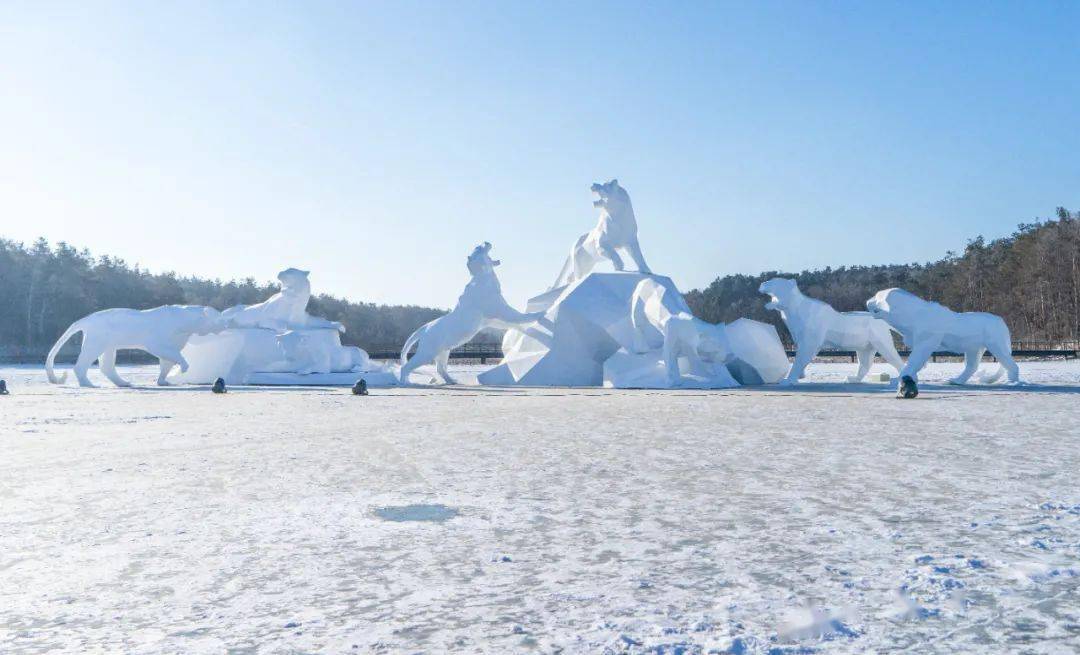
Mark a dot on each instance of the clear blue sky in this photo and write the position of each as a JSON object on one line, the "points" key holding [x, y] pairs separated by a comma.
{"points": [[376, 143]]}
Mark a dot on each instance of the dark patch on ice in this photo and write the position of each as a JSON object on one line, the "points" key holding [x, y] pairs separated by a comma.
{"points": [[436, 513], [841, 629], [744, 373], [1060, 507], [738, 646], [680, 648]]}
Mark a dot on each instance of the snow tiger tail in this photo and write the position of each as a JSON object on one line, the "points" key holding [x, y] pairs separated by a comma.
{"points": [[51, 359], [413, 338]]}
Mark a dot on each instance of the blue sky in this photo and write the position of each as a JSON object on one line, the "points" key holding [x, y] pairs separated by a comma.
{"points": [[376, 143]]}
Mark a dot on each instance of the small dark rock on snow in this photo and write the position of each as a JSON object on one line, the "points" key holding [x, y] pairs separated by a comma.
{"points": [[908, 388]]}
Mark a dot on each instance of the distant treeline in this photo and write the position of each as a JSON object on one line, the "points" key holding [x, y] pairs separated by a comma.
{"points": [[1031, 278], [45, 289]]}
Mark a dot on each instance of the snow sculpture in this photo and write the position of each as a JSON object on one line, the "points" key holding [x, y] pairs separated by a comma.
{"points": [[695, 352], [304, 352], [480, 306], [589, 336], [628, 329], [286, 309], [815, 325], [278, 342], [927, 326], [162, 332], [615, 230], [681, 335]]}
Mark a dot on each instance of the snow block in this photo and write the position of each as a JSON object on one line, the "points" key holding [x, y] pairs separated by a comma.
{"points": [[587, 337], [265, 356]]}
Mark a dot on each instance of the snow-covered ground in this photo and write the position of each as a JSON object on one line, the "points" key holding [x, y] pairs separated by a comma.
{"points": [[825, 518]]}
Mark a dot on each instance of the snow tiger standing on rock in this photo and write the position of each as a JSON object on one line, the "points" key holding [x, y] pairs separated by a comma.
{"points": [[163, 332], [285, 310], [616, 229], [814, 325]]}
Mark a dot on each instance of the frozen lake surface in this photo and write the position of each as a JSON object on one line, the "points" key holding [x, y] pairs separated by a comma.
{"points": [[829, 518]]}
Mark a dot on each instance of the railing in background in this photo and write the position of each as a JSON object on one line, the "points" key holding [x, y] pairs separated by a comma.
{"points": [[485, 351], [481, 351], [1065, 353]]}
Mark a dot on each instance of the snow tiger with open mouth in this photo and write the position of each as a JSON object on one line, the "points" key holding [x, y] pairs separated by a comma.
{"points": [[480, 306], [814, 325]]}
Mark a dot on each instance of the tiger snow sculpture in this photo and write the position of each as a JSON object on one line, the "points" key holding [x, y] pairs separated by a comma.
{"points": [[928, 326], [615, 230], [163, 332], [814, 325], [480, 306]]}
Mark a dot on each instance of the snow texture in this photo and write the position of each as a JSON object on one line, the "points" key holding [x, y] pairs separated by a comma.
{"points": [[823, 518]]}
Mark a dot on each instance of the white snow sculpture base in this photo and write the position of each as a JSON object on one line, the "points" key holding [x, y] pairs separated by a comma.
{"points": [[628, 370], [759, 357], [587, 338], [265, 356]]}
